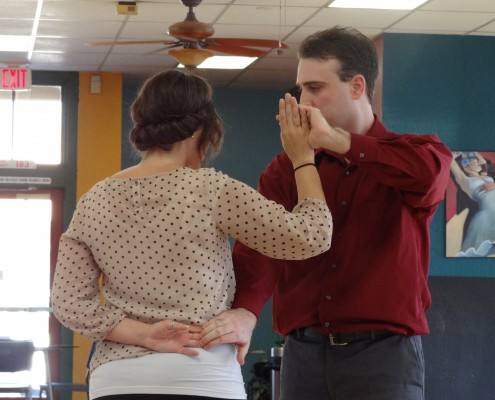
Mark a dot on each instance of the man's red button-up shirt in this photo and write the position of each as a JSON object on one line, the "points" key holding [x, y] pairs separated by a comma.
{"points": [[382, 195]]}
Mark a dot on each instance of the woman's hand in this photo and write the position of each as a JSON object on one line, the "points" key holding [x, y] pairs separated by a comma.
{"points": [[173, 337], [164, 336], [488, 186], [294, 131]]}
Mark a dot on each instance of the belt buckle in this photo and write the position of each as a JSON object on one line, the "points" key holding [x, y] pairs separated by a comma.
{"points": [[331, 338]]}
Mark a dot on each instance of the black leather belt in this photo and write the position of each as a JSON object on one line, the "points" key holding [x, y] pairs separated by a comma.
{"points": [[337, 339]]}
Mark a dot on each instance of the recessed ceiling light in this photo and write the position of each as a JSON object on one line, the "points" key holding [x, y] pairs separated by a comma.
{"points": [[378, 4], [226, 62], [22, 43], [15, 43], [36, 23]]}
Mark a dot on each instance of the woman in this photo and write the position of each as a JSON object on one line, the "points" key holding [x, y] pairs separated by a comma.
{"points": [[157, 233], [469, 171]]}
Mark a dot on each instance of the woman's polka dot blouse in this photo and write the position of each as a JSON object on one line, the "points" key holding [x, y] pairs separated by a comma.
{"points": [[161, 247]]}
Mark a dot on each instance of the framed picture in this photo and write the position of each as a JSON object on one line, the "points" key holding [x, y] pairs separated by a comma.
{"points": [[470, 205]]}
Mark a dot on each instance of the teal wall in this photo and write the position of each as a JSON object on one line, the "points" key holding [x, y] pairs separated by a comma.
{"points": [[443, 85]]}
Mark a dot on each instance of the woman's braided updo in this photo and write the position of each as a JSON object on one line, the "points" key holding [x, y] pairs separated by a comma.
{"points": [[170, 106]]}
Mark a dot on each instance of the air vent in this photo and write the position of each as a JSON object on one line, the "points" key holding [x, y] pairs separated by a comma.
{"points": [[127, 8]]}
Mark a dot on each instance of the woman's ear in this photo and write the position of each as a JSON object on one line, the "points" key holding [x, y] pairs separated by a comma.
{"points": [[358, 86], [196, 136], [196, 133]]}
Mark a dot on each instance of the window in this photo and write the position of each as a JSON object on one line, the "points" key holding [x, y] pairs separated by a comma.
{"points": [[35, 126], [25, 272], [31, 125]]}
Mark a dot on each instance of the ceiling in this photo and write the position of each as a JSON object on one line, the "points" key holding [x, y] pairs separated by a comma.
{"points": [[66, 26]]}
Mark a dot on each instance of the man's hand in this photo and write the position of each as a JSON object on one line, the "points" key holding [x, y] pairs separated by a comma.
{"points": [[324, 136], [233, 326]]}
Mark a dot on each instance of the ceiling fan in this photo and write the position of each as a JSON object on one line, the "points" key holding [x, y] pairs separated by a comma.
{"points": [[194, 42]]}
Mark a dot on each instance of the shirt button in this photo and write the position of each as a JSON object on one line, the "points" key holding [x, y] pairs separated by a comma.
{"points": [[326, 324], [347, 172], [361, 155], [334, 265], [344, 202], [328, 297]]}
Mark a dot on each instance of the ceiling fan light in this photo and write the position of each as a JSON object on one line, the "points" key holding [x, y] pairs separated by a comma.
{"points": [[191, 30], [190, 58]]}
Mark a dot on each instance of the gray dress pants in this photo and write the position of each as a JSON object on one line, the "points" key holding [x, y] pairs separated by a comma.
{"points": [[390, 367]]}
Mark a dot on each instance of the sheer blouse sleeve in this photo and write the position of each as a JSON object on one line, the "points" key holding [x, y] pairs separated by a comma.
{"points": [[76, 299], [267, 227]]}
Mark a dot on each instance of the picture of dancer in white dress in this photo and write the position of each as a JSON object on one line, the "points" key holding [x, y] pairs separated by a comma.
{"points": [[473, 174]]}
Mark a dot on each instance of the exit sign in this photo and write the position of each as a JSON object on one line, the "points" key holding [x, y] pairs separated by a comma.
{"points": [[15, 78]]}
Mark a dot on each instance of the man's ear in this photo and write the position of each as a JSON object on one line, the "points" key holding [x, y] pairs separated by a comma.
{"points": [[358, 86]]}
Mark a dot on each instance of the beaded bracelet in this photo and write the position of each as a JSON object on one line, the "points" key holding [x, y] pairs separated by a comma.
{"points": [[304, 165]]}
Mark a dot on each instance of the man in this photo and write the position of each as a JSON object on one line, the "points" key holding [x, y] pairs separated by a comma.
{"points": [[352, 316]]}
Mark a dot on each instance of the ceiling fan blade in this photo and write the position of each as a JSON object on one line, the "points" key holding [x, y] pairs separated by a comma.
{"points": [[273, 44], [236, 50], [165, 48], [131, 42]]}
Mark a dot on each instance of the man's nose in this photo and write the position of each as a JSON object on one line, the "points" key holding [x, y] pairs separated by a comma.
{"points": [[305, 99]]}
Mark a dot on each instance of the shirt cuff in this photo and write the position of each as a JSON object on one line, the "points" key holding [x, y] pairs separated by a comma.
{"points": [[363, 148]]}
